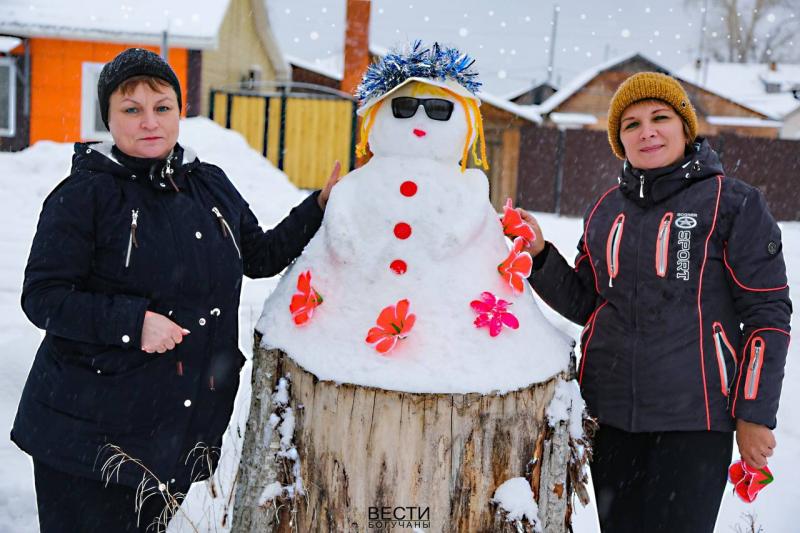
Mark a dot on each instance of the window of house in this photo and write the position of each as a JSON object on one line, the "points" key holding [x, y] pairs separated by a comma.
{"points": [[8, 96], [92, 127]]}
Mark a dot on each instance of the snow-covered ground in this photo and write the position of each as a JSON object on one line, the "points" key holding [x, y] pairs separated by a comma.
{"points": [[26, 178]]}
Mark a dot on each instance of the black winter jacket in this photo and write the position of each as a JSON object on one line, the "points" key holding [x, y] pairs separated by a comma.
{"points": [[111, 244], [681, 285]]}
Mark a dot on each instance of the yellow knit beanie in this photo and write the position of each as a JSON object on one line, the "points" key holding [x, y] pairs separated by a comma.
{"points": [[644, 86]]}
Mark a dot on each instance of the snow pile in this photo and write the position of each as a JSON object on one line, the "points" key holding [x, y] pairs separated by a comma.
{"points": [[409, 225], [567, 405], [515, 497], [282, 419]]}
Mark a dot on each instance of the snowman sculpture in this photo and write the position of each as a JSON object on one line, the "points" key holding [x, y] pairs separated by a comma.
{"points": [[419, 365], [413, 282]]}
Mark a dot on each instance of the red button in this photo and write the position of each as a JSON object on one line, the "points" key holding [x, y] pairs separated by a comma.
{"points": [[402, 230], [398, 266], [408, 188]]}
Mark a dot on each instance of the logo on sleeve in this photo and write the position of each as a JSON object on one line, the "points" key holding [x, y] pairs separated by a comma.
{"points": [[685, 222]]}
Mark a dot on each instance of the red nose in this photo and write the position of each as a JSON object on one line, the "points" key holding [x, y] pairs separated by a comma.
{"points": [[419, 133]]}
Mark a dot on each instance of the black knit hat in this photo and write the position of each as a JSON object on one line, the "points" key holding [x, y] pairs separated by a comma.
{"points": [[133, 62]]}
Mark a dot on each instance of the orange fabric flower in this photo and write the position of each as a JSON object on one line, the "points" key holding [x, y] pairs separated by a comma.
{"points": [[517, 266], [305, 300], [514, 226], [394, 324]]}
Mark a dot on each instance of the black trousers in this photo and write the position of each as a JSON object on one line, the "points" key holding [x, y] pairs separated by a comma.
{"points": [[73, 504], [667, 482]]}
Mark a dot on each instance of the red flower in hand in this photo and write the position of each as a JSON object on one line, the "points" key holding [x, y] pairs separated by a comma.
{"points": [[748, 481], [514, 226], [517, 267], [394, 323], [493, 313], [305, 300]]}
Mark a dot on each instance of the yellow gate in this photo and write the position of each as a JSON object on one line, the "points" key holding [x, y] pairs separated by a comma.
{"points": [[301, 134]]}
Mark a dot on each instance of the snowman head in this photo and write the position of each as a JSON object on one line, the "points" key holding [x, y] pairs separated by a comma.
{"points": [[421, 103], [424, 120]]}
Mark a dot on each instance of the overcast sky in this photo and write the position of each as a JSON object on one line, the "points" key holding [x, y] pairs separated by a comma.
{"points": [[510, 39]]}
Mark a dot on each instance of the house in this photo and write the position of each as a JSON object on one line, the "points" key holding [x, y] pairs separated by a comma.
{"points": [[770, 88], [583, 102], [54, 53]]}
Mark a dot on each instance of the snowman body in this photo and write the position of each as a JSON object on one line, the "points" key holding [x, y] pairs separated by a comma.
{"points": [[409, 224]]}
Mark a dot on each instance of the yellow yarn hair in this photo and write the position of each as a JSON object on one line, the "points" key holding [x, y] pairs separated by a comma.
{"points": [[469, 105]]}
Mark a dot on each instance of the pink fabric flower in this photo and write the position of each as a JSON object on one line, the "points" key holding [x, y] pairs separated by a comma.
{"points": [[748, 481], [493, 313]]}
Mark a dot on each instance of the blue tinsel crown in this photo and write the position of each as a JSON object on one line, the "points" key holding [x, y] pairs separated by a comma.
{"points": [[437, 62]]}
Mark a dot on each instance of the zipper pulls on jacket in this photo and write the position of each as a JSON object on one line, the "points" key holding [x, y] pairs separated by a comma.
{"points": [[132, 238], [755, 368], [641, 185], [662, 245], [226, 229], [612, 248]]}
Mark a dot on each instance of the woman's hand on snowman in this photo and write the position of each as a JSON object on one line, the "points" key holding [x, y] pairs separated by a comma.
{"points": [[160, 334], [538, 243], [333, 179], [756, 442]]}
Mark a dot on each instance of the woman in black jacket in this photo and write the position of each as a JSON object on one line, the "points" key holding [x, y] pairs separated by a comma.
{"points": [[135, 274], [681, 286]]}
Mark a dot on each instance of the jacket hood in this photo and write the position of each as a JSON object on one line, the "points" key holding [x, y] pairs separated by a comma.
{"points": [[649, 187], [99, 157]]}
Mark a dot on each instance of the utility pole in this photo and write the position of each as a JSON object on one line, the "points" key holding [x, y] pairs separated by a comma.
{"points": [[701, 63], [554, 24]]}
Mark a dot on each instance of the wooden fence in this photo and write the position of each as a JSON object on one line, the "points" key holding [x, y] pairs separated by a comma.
{"points": [[302, 134]]}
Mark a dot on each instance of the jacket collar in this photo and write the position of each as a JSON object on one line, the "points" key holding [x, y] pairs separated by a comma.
{"points": [[649, 187], [99, 157]]}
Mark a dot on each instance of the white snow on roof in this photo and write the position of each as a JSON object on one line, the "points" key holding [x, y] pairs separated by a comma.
{"points": [[527, 112], [742, 83], [560, 96], [189, 23], [750, 122], [573, 118], [330, 67], [8, 43]]}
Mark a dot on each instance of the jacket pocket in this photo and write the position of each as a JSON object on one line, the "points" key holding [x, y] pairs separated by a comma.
{"points": [[662, 245], [722, 347], [757, 349], [132, 242], [612, 248], [226, 229]]}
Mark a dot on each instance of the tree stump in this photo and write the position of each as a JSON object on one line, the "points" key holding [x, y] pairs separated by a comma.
{"points": [[372, 456]]}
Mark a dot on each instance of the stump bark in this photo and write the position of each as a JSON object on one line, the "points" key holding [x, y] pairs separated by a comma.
{"points": [[431, 461]]}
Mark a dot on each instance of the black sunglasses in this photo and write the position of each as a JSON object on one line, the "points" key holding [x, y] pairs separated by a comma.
{"points": [[435, 108]]}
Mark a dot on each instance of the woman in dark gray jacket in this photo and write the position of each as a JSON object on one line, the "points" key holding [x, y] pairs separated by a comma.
{"points": [[135, 274], [681, 286]]}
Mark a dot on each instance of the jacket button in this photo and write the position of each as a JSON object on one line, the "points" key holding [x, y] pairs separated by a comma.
{"points": [[215, 311], [187, 403], [202, 321], [198, 235], [126, 339]]}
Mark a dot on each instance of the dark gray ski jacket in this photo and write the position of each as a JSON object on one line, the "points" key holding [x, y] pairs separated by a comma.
{"points": [[681, 285]]}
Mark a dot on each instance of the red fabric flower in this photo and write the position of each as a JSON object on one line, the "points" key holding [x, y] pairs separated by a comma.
{"points": [[493, 313], [394, 324], [517, 267], [305, 300], [748, 481], [514, 226]]}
